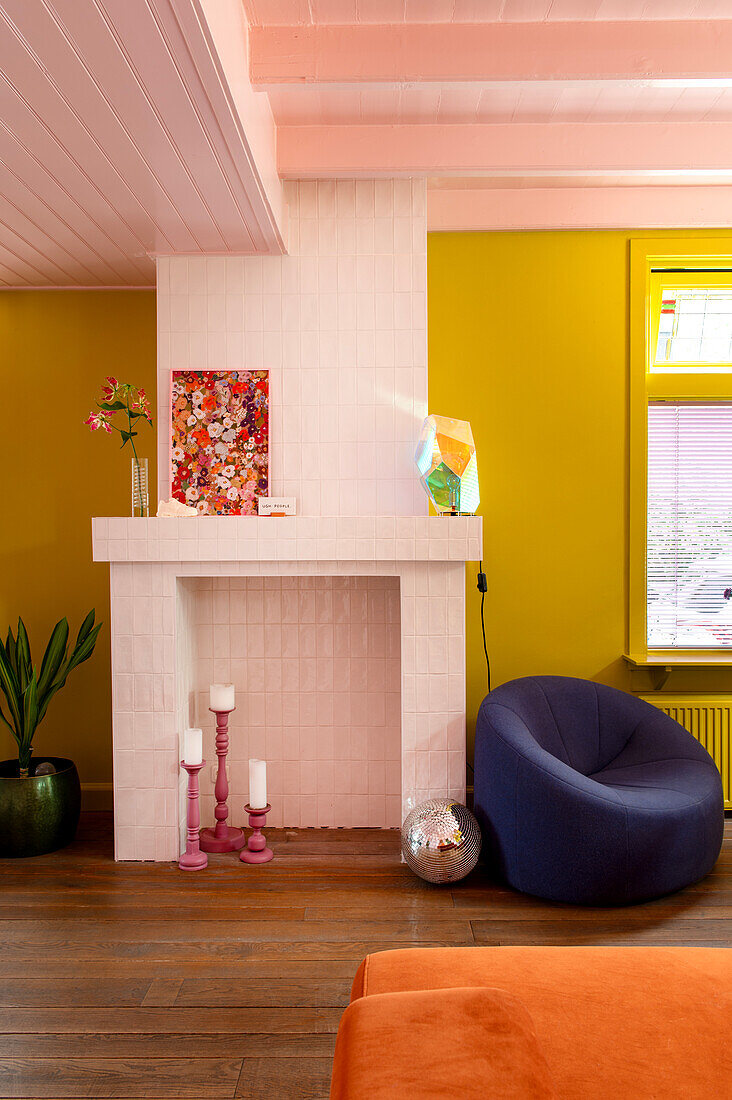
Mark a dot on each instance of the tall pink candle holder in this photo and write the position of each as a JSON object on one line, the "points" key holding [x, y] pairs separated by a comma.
{"points": [[222, 837], [256, 850], [193, 859]]}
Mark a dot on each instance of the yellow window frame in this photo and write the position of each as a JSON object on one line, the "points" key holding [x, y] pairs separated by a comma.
{"points": [[682, 382]]}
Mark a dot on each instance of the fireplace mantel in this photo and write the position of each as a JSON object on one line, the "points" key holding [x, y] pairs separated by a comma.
{"points": [[160, 567], [290, 538]]}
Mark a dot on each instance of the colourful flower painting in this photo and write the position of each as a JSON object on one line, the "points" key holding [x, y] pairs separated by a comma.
{"points": [[220, 423]]}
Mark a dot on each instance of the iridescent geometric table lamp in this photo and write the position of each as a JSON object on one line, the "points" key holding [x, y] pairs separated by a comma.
{"points": [[447, 465]]}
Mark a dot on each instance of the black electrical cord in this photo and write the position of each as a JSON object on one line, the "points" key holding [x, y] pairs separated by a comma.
{"points": [[483, 588]]}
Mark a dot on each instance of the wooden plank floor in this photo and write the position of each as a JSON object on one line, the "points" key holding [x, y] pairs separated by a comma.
{"points": [[136, 980]]}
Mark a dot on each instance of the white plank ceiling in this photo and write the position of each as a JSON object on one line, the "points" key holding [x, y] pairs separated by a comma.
{"points": [[117, 140], [312, 12], [500, 101], [130, 127]]}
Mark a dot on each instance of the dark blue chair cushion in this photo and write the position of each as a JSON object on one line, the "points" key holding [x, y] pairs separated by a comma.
{"points": [[588, 795]]}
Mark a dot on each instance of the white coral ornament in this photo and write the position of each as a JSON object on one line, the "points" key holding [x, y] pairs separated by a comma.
{"points": [[174, 507]]}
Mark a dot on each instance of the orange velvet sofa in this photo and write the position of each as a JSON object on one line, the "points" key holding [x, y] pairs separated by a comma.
{"points": [[573, 1023]]}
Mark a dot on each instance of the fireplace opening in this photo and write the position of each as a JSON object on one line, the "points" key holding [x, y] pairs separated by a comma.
{"points": [[316, 665]]}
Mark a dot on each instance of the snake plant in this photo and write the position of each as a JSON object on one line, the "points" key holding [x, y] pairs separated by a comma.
{"points": [[28, 694]]}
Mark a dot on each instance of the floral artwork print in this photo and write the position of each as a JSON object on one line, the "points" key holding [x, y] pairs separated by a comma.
{"points": [[220, 424]]}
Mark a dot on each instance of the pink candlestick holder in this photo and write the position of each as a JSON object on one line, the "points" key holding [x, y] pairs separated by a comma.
{"points": [[256, 850], [193, 859], [222, 837]]}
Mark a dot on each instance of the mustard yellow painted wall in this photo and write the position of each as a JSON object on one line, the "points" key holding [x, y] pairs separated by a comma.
{"points": [[55, 349], [528, 339]]}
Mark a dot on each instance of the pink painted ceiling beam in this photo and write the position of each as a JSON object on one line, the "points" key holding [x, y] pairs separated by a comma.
{"points": [[517, 148], [354, 53], [647, 207]]}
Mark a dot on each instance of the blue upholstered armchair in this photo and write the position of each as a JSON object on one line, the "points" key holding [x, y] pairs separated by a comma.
{"points": [[588, 795]]}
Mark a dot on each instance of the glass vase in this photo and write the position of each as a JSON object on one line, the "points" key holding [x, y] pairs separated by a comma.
{"points": [[140, 502]]}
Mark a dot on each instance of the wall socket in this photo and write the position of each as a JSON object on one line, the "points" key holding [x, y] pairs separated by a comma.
{"points": [[215, 772]]}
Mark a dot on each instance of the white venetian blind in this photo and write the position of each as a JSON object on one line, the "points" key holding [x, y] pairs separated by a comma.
{"points": [[689, 537]]}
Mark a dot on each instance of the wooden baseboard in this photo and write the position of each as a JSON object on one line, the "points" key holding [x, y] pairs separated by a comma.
{"points": [[97, 796]]}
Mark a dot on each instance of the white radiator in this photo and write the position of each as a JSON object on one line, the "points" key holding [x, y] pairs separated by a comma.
{"points": [[709, 718]]}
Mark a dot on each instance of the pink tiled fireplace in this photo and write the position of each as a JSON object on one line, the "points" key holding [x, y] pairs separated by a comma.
{"points": [[344, 638], [342, 628]]}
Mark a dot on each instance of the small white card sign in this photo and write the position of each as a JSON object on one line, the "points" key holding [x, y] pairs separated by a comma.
{"points": [[277, 506]]}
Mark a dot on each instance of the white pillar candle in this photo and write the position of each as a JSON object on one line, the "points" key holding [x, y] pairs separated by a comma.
{"points": [[193, 746], [257, 784], [221, 697]]}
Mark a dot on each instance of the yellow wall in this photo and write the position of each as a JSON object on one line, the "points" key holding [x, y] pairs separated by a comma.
{"points": [[528, 339], [55, 349]]}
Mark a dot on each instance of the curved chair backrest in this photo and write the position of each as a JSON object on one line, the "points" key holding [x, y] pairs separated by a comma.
{"points": [[581, 723]]}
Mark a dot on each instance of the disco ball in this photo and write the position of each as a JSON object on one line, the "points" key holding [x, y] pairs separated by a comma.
{"points": [[441, 840]]}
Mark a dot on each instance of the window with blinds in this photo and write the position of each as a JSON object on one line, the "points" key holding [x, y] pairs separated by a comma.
{"points": [[689, 531]]}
